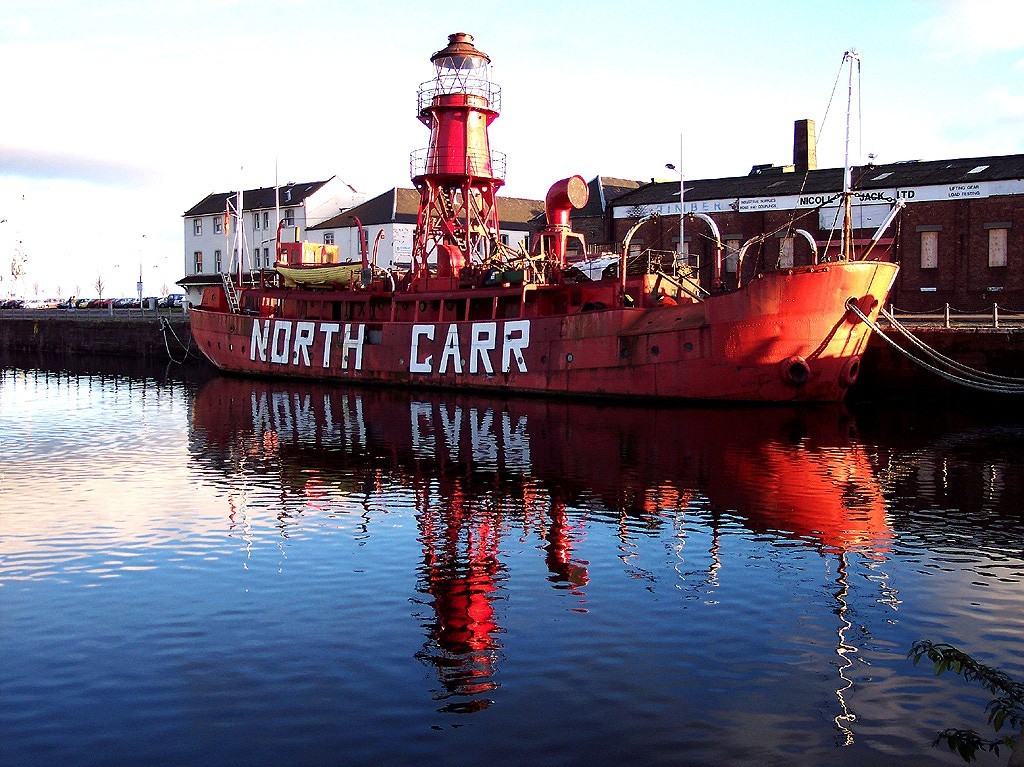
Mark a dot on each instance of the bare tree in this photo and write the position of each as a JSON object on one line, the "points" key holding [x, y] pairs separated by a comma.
{"points": [[99, 285]]}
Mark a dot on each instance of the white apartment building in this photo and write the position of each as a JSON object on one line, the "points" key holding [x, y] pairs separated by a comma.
{"points": [[210, 227]]}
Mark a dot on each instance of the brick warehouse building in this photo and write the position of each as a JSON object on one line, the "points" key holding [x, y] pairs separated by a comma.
{"points": [[959, 240]]}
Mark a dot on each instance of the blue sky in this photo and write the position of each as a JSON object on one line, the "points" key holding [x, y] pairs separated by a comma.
{"points": [[120, 116]]}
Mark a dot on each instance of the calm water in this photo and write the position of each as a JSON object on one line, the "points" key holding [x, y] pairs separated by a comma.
{"points": [[232, 572]]}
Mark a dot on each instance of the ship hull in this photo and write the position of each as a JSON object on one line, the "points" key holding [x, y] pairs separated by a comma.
{"points": [[786, 336]]}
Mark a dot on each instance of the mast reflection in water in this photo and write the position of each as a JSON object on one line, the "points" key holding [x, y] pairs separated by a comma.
{"points": [[237, 571]]}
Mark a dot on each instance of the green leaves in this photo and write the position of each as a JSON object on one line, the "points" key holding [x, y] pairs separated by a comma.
{"points": [[1007, 708]]}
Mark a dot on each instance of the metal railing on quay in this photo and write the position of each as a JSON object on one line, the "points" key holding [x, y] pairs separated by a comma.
{"points": [[950, 317]]}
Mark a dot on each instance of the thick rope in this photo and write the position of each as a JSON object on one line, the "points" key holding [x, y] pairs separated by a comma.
{"points": [[939, 357], [977, 379], [165, 327]]}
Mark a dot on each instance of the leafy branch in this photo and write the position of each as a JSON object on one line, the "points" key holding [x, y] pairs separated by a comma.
{"points": [[1006, 708]]}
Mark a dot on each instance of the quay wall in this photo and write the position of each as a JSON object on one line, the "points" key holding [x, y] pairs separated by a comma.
{"points": [[885, 372], [138, 337]]}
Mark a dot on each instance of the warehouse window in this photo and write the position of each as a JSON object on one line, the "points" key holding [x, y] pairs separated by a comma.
{"points": [[198, 256], [929, 250], [997, 247], [732, 255], [786, 253]]}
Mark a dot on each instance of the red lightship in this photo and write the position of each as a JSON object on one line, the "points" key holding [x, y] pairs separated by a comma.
{"points": [[472, 313]]}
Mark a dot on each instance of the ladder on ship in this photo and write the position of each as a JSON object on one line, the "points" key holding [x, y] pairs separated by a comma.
{"points": [[230, 292]]}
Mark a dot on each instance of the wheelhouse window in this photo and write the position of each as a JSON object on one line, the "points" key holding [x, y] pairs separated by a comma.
{"points": [[198, 261]]}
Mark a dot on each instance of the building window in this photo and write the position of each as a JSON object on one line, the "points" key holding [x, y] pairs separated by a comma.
{"points": [[216, 261], [218, 225], [328, 238], [255, 220], [786, 253], [289, 217], [197, 227], [732, 255], [997, 247], [266, 219], [198, 256], [929, 250], [266, 257], [504, 240]]}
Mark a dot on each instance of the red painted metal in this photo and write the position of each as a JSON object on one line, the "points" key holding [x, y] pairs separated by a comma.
{"points": [[475, 315]]}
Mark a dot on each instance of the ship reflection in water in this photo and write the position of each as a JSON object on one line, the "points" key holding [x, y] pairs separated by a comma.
{"points": [[488, 475]]}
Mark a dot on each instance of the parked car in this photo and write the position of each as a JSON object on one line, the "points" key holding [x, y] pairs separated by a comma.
{"points": [[176, 300]]}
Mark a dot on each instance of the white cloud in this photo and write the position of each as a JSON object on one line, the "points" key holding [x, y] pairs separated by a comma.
{"points": [[974, 27]]}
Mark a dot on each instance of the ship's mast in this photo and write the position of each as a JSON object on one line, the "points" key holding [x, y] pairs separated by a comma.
{"points": [[457, 220], [847, 243]]}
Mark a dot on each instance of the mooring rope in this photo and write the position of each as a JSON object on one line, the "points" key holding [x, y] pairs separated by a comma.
{"points": [[939, 357], [165, 326], [964, 376]]}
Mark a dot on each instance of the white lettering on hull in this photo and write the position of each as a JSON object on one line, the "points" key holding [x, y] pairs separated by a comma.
{"points": [[287, 342], [292, 342], [483, 343]]}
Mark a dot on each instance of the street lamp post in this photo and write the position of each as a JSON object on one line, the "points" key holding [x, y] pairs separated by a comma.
{"points": [[683, 251], [138, 285]]}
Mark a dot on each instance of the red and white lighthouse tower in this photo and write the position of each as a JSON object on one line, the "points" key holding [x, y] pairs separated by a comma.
{"points": [[456, 175]]}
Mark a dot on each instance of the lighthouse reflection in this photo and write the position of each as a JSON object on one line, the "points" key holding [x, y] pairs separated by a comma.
{"points": [[487, 474]]}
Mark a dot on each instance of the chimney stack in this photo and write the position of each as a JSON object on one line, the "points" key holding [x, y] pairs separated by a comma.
{"points": [[805, 156]]}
